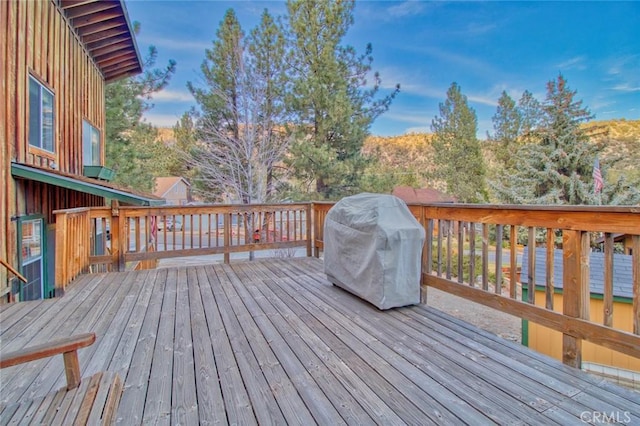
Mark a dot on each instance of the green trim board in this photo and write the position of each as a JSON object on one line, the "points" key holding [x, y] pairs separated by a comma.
{"points": [[98, 172], [32, 173]]}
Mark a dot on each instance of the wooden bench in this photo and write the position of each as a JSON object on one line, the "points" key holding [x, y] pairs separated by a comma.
{"points": [[90, 401]]}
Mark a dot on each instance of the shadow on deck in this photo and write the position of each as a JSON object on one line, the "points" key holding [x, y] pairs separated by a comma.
{"points": [[272, 341]]}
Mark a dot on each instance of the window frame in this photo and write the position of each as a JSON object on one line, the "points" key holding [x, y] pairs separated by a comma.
{"points": [[96, 155], [40, 127]]}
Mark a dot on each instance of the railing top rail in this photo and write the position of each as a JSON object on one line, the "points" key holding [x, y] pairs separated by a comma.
{"points": [[522, 207], [211, 208], [216, 206], [72, 211], [534, 207]]}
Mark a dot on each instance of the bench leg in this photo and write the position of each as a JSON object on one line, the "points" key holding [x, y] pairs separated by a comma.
{"points": [[72, 369]]}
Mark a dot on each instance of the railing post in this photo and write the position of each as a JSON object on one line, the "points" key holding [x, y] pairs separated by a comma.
{"points": [[635, 274], [227, 236], [310, 223], [575, 295], [425, 266], [118, 239], [61, 260]]}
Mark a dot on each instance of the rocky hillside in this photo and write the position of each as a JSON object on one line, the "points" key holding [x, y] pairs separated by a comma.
{"points": [[621, 139]]}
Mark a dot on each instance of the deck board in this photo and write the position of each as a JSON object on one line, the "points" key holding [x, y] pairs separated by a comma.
{"points": [[433, 375], [272, 341]]}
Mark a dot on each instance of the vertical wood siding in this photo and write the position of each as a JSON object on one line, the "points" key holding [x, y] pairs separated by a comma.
{"points": [[35, 39], [40, 43]]}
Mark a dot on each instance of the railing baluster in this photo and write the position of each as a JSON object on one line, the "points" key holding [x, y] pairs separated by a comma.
{"points": [[429, 247], [472, 253], [460, 251], [485, 256], [439, 256], [531, 270], [498, 284], [635, 256], [607, 303], [449, 248], [513, 262], [550, 284]]}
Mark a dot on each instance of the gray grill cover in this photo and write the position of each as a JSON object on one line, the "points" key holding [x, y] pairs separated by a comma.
{"points": [[372, 248]]}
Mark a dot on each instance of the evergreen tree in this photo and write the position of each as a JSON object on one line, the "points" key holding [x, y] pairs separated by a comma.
{"points": [[507, 123], [266, 50], [530, 112], [458, 156], [556, 167], [185, 140], [240, 126], [221, 71], [130, 142], [331, 104]]}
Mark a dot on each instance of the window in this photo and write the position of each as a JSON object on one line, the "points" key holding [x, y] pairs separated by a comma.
{"points": [[90, 145], [40, 116]]}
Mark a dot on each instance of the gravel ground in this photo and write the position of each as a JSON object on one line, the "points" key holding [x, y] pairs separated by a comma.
{"points": [[489, 319]]}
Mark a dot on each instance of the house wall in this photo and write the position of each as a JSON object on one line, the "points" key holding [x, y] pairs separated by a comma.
{"points": [[178, 194], [35, 39], [549, 342]]}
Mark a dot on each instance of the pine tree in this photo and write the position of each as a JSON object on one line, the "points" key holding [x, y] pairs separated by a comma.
{"points": [[241, 120], [458, 156], [266, 50], [555, 166], [530, 112], [221, 71], [507, 125], [331, 103], [129, 140]]}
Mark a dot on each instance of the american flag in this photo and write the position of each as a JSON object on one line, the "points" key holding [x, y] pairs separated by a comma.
{"points": [[598, 182]]}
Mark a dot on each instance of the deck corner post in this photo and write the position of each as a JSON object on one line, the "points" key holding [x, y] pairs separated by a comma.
{"points": [[575, 298], [61, 253]]}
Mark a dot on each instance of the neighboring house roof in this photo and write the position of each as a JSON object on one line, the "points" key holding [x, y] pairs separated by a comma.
{"points": [[104, 29], [617, 238], [421, 195], [87, 185], [164, 184], [622, 271]]}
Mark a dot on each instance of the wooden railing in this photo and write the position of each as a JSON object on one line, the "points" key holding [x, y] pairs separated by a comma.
{"points": [[108, 239], [469, 248], [471, 251], [73, 241]]}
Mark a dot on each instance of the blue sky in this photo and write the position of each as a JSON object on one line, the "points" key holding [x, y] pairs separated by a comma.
{"points": [[486, 47]]}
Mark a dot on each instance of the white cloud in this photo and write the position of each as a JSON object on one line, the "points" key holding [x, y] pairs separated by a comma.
{"points": [[423, 129], [626, 87], [406, 8], [577, 62], [173, 96], [162, 120], [480, 99], [623, 63], [474, 29], [176, 44], [407, 117], [423, 90]]}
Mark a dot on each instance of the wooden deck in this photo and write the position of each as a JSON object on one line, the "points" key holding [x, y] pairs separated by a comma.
{"points": [[272, 341]]}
